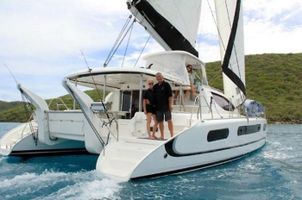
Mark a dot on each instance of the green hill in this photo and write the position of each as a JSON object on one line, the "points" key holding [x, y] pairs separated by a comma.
{"points": [[8, 105], [273, 79]]}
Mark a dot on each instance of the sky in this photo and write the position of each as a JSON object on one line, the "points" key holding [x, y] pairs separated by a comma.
{"points": [[41, 40]]}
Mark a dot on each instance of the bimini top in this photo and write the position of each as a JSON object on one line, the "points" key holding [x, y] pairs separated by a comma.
{"points": [[171, 64]]}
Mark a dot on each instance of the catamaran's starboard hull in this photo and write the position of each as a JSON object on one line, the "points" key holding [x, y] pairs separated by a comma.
{"points": [[205, 144], [204, 165]]}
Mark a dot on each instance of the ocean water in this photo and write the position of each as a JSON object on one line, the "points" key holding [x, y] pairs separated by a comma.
{"points": [[274, 172]]}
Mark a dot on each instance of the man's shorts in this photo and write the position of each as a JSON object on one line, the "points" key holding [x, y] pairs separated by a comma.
{"points": [[160, 115]]}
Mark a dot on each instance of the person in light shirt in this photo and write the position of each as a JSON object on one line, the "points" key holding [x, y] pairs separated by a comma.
{"points": [[149, 108]]}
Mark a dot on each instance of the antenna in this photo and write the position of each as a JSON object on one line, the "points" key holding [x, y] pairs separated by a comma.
{"points": [[11, 73]]}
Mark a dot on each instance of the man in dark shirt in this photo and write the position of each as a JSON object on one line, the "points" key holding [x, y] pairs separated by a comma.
{"points": [[163, 104]]}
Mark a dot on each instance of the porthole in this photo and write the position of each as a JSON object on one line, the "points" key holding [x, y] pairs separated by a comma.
{"points": [[244, 130], [219, 134]]}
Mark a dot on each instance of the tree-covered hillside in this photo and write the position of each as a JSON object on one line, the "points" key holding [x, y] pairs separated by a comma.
{"points": [[273, 79]]}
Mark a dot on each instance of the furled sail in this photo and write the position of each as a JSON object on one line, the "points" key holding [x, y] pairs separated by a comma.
{"points": [[173, 23], [230, 29]]}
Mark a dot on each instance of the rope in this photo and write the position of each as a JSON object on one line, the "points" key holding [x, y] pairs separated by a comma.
{"points": [[140, 54], [131, 29], [28, 116], [118, 41]]}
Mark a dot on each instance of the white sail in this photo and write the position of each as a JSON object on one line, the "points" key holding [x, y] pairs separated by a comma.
{"points": [[173, 23], [230, 29]]}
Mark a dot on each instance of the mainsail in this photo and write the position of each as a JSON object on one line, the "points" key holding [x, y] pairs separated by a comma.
{"points": [[173, 23], [230, 30]]}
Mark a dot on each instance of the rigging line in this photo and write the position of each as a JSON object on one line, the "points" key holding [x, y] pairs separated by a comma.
{"points": [[85, 60], [28, 115], [235, 51], [120, 42], [11, 73], [125, 53], [89, 70], [218, 31], [219, 34], [95, 85], [117, 39], [140, 54]]}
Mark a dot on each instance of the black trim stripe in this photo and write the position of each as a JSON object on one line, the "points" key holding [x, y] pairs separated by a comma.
{"points": [[48, 152], [225, 65], [194, 168], [171, 152], [172, 37], [74, 78], [109, 72]]}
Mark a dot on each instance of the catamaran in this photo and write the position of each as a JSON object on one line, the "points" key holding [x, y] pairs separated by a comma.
{"points": [[214, 128]]}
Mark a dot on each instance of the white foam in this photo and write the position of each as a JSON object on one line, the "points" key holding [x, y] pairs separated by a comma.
{"points": [[31, 179], [87, 186], [277, 155], [96, 189], [28, 183]]}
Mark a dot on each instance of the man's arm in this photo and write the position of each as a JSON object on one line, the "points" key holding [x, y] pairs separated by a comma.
{"points": [[144, 105], [170, 95]]}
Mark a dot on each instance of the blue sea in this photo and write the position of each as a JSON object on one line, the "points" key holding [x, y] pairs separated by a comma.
{"points": [[274, 172]]}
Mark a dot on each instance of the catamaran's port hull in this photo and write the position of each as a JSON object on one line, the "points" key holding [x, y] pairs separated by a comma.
{"points": [[21, 142], [28, 147]]}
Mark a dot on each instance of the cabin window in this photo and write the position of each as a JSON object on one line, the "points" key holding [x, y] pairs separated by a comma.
{"points": [[219, 134], [245, 130], [126, 100], [223, 102], [130, 102]]}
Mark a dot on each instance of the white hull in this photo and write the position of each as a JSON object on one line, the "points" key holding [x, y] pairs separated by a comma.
{"points": [[188, 150], [20, 142]]}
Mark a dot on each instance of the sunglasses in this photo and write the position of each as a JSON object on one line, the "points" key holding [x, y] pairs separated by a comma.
{"points": [[150, 83]]}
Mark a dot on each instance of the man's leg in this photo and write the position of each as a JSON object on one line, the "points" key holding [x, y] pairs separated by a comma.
{"points": [[161, 128], [168, 118], [160, 122], [154, 126], [148, 116], [170, 126]]}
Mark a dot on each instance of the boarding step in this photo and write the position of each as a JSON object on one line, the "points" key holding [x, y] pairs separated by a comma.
{"points": [[121, 158], [117, 167]]}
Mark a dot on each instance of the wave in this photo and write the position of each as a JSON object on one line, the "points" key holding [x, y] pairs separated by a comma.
{"points": [[59, 185], [93, 189]]}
